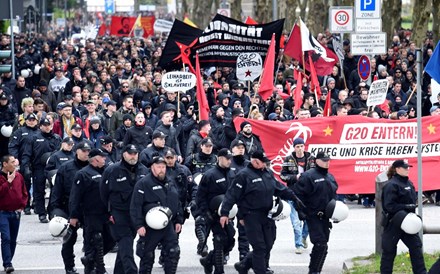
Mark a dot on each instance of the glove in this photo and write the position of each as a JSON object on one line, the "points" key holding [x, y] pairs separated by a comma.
{"points": [[410, 207], [299, 204], [27, 174]]}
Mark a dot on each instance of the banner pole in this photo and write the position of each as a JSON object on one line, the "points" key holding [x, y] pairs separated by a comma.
{"points": [[410, 96]]}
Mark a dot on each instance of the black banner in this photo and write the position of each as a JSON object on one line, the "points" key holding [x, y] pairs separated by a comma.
{"points": [[224, 39], [181, 34]]}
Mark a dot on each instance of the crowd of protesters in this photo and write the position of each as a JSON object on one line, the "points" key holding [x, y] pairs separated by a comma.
{"points": [[107, 92]]}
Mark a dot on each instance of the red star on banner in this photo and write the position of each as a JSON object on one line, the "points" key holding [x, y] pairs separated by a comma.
{"points": [[248, 73], [185, 51]]}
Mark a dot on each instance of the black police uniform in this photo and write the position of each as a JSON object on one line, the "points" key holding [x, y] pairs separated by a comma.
{"points": [[399, 194], [59, 199], [18, 143], [84, 202], [56, 160], [199, 163], [118, 181], [182, 178], [41, 143], [253, 190], [215, 182], [316, 188], [146, 156], [148, 193], [238, 163]]}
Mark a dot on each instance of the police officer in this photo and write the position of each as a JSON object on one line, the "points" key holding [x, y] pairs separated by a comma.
{"points": [[213, 185], [157, 147], [239, 162], [83, 203], [58, 158], [43, 143], [18, 143], [151, 191], [399, 196], [59, 199], [316, 188], [252, 190], [203, 160], [182, 177], [107, 146], [294, 165], [199, 163], [117, 186]]}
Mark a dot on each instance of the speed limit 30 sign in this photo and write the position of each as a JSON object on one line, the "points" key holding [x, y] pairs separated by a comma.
{"points": [[341, 19]]}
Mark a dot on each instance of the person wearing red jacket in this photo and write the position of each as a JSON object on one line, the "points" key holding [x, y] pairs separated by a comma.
{"points": [[13, 198], [63, 125]]}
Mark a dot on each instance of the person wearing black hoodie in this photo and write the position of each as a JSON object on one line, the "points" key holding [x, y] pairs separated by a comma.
{"points": [[20, 92], [170, 131], [140, 135]]}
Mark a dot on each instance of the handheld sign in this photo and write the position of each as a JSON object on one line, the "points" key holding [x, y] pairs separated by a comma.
{"points": [[378, 92], [178, 81], [161, 25], [364, 67], [249, 66]]}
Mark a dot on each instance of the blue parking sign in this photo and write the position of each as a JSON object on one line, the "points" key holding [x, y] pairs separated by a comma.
{"points": [[368, 5], [109, 6]]}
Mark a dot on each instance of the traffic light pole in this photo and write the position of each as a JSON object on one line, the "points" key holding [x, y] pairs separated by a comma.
{"points": [[11, 15]]}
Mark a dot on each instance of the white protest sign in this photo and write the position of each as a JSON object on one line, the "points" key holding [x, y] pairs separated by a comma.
{"points": [[249, 66], [161, 25], [178, 81], [435, 90], [378, 92]]}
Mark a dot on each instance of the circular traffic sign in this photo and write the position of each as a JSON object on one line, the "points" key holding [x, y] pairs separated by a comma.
{"points": [[342, 17], [364, 67]]}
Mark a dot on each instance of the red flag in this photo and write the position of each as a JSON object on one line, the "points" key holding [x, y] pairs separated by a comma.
{"points": [[314, 80], [295, 74], [201, 95], [328, 104], [385, 106], [288, 87], [295, 49], [297, 96], [250, 21], [266, 87]]}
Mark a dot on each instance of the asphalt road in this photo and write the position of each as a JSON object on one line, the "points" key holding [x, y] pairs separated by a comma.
{"points": [[39, 252]]}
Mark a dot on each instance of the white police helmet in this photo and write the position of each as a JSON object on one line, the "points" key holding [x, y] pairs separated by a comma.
{"points": [[25, 73], [411, 224], [232, 212], [281, 210], [197, 178], [336, 210], [6, 131], [58, 226], [158, 217]]}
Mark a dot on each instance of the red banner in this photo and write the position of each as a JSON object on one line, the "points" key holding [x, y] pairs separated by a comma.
{"points": [[360, 147], [122, 26]]}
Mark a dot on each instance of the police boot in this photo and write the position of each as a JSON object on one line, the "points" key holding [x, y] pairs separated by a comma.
{"points": [[317, 257], [206, 262], [89, 265], [269, 270], [244, 265], [218, 261], [99, 254], [170, 266], [72, 271]]}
